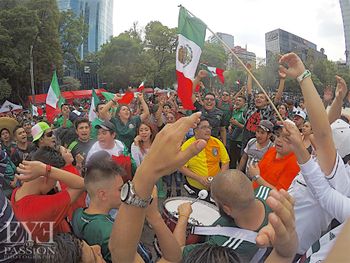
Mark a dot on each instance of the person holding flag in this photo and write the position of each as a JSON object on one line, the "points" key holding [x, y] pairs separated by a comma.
{"points": [[54, 100], [125, 124]]}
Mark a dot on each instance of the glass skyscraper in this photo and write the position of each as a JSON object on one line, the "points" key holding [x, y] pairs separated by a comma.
{"points": [[98, 14], [345, 11]]}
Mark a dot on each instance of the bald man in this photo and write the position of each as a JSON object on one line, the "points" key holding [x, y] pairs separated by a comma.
{"points": [[240, 207]]}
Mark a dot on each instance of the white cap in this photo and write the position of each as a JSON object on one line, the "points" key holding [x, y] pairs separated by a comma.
{"points": [[300, 113], [341, 137]]}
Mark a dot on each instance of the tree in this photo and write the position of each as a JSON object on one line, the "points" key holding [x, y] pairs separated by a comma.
{"points": [[214, 55], [5, 89], [118, 60], [18, 28], [70, 83], [72, 31], [47, 51], [160, 43]]}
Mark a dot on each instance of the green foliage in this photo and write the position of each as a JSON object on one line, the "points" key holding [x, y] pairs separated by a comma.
{"points": [[70, 83], [160, 44], [72, 31], [214, 55], [22, 24], [118, 60], [5, 89]]}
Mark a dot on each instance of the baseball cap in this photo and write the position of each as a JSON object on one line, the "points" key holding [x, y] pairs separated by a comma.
{"points": [[39, 129], [106, 125], [341, 136], [266, 125], [300, 113]]}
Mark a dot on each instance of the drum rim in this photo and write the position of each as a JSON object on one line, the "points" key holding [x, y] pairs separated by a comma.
{"points": [[190, 199]]}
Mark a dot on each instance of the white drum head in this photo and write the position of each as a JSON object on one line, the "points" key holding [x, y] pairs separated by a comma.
{"points": [[205, 213]]}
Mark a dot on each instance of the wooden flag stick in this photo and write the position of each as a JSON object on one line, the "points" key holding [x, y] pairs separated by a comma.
{"points": [[244, 66]]}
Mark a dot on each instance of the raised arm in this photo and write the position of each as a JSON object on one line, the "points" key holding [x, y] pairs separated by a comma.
{"points": [[280, 232], [109, 104], [201, 74], [128, 226], [145, 113], [334, 112], [249, 83], [326, 153], [280, 87]]}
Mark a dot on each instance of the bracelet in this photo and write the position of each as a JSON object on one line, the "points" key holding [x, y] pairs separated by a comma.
{"points": [[114, 102], [184, 216], [48, 172], [255, 177], [304, 75]]}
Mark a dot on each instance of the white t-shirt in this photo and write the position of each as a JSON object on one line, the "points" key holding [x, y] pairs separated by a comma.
{"points": [[117, 150], [137, 155], [311, 217]]}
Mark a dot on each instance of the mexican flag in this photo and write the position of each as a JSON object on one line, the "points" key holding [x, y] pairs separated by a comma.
{"points": [[141, 87], [54, 100], [94, 101], [191, 36], [213, 72], [34, 110]]}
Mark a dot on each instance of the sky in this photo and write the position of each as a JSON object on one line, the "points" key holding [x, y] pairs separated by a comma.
{"points": [[318, 21]]}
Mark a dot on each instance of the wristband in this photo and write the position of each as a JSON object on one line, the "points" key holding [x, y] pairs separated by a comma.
{"points": [[304, 75], [48, 172], [255, 177]]}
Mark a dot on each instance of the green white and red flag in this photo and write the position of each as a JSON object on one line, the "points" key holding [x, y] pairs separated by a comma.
{"points": [[141, 87], [215, 72], [191, 37], [54, 100], [94, 101]]}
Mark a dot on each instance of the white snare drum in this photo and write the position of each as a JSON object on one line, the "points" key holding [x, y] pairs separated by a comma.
{"points": [[203, 214]]}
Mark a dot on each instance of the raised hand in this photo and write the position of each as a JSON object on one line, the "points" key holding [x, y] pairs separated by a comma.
{"points": [[328, 93], [167, 146], [30, 170], [140, 96], [291, 65], [117, 97], [202, 74], [280, 232], [341, 89]]}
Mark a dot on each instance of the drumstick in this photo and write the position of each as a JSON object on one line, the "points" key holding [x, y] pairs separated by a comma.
{"points": [[201, 195]]}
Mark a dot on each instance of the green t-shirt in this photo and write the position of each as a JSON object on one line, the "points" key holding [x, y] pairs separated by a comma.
{"points": [[59, 122], [94, 229], [93, 132], [239, 116], [226, 107], [127, 132], [244, 249]]}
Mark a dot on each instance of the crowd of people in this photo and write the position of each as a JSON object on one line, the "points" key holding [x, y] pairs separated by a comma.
{"points": [[276, 173]]}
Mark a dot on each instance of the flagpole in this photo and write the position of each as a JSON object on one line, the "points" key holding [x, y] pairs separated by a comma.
{"points": [[244, 66]]}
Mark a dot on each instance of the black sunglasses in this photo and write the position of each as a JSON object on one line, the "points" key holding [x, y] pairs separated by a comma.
{"points": [[49, 134]]}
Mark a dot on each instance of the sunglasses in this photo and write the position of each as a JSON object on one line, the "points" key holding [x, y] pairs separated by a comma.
{"points": [[209, 99], [49, 134]]}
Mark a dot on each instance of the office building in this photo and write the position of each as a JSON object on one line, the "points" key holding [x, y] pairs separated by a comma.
{"points": [[244, 55], [98, 14], [227, 38], [281, 42], [345, 11]]}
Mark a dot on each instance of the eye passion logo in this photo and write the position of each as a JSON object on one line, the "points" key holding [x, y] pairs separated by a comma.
{"points": [[28, 246]]}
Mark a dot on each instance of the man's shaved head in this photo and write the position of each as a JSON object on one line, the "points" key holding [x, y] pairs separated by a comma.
{"points": [[233, 189]]}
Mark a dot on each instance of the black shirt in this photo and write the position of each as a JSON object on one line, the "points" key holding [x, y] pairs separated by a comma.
{"points": [[215, 118]]}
